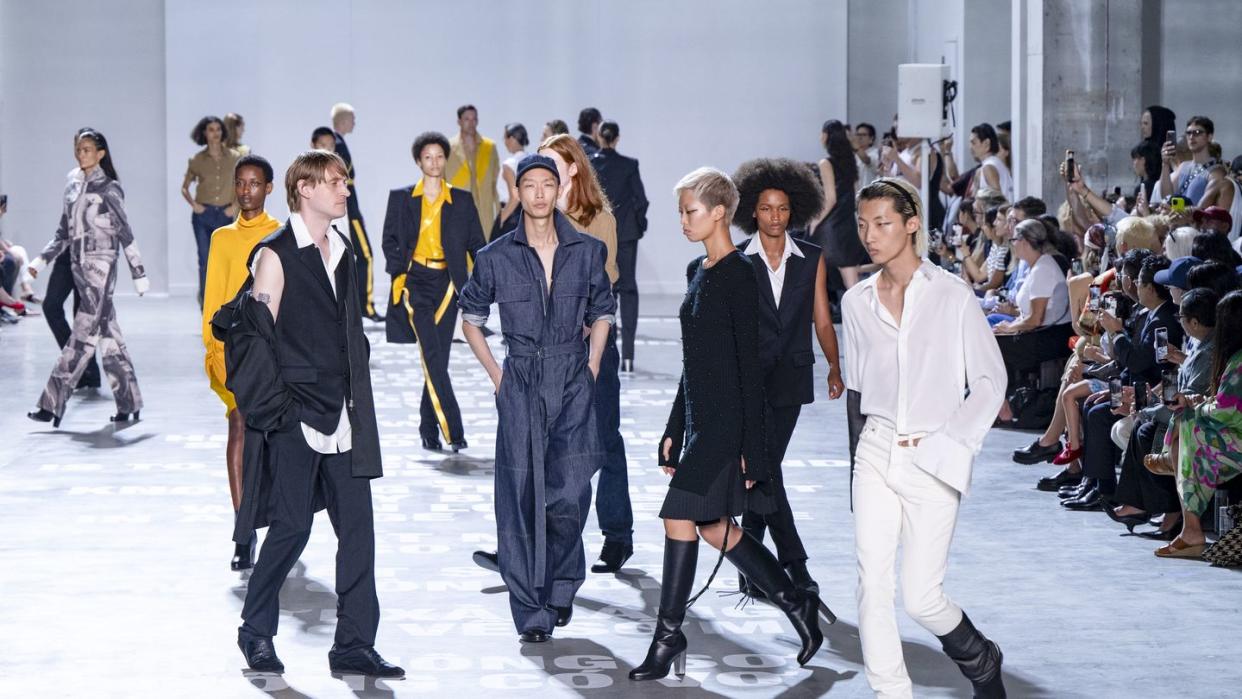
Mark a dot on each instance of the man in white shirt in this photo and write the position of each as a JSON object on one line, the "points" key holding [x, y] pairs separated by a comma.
{"points": [[930, 378]]}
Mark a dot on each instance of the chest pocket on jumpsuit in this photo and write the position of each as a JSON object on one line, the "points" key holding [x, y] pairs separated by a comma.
{"points": [[569, 297]]}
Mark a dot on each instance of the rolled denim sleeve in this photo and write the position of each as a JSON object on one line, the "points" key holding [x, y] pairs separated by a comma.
{"points": [[601, 305], [476, 297]]}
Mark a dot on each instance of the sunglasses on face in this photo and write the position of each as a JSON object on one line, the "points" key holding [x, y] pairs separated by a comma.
{"points": [[1195, 132]]}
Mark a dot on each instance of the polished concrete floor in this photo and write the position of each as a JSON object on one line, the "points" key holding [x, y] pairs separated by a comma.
{"points": [[115, 545]]}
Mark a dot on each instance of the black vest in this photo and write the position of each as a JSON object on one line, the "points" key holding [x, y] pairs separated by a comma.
{"points": [[312, 341], [785, 331]]}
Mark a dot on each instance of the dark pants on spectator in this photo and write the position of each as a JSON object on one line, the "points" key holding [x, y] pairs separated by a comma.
{"points": [[297, 472], [9, 272], [59, 286], [1100, 455], [612, 498], [205, 224], [627, 294], [1026, 351], [1139, 487], [781, 422]]}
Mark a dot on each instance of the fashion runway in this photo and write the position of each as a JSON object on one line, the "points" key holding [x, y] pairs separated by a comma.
{"points": [[115, 547]]}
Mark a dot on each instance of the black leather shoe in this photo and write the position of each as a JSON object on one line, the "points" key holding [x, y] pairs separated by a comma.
{"points": [[487, 560], [1130, 521], [458, 445], [1090, 500], [363, 661], [612, 557], [627, 366], [1158, 534], [432, 444], [260, 654], [801, 577], [978, 658], [42, 415], [1036, 453], [243, 554], [124, 417], [535, 636], [375, 318], [564, 615], [1053, 484], [1073, 492]]}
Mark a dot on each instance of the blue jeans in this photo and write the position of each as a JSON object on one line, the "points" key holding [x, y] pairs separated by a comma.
{"points": [[995, 319], [612, 498], [205, 224]]}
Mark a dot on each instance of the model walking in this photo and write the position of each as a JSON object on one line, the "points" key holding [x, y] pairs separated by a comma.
{"points": [[724, 468], [226, 272], [343, 121], [93, 227], [916, 343], [474, 165], [776, 195], [211, 173], [834, 230]]}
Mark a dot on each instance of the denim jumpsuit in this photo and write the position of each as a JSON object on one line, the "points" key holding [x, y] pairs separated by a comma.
{"points": [[547, 444]]}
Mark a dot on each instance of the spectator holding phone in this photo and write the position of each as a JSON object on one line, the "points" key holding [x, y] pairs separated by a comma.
{"points": [[1190, 179]]}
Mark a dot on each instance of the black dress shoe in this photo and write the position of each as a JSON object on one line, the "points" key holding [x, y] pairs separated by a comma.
{"points": [[432, 444], [1160, 535], [375, 318], [1073, 492], [363, 661], [1090, 500], [487, 560], [124, 417], [1130, 521], [1036, 453], [42, 415], [535, 636], [564, 615], [260, 654], [801, 577], [243, 554], [458, 445], [627, 366], [1053, 484], [612, 557]]}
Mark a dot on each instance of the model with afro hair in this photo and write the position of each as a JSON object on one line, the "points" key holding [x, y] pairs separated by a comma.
{"points": [[795, 179]]}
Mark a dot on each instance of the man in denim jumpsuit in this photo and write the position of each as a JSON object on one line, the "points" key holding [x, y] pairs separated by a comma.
{"points": [[549, 282]]}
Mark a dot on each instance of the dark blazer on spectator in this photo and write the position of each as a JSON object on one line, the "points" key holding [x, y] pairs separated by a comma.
{"points": [[1138, 358], [785, 332], [618, 175]]}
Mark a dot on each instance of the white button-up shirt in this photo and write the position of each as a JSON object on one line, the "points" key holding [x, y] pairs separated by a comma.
{"points": [[341, 440], [914, 372], [775, 276]]}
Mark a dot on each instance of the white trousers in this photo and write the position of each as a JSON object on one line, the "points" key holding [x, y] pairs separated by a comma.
{"points": [[896, 502]]}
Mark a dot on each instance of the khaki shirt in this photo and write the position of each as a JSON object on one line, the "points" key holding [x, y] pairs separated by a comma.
{"points": [[214, 177]]}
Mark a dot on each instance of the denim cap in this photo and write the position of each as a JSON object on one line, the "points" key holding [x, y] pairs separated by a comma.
{"points": [[534, 161]]}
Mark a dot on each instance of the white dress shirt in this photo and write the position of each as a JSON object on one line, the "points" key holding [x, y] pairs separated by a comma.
{"points": [[341, 440], [914, 375], [775, 276]]}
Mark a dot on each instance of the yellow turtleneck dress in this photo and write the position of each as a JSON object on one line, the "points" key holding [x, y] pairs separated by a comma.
{"points": [[226, 272]]}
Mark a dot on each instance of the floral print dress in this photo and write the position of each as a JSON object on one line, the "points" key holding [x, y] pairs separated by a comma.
{"points": [[1211, 442]]}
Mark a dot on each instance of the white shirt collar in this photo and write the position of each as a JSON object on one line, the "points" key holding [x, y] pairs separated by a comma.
{"points": [[926, 269], [755, 246], [302, 235]]}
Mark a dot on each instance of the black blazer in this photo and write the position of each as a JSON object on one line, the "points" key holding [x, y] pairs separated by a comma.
{"points": [[618, 175], [785, 331], [1138, 357], [460, 232]]}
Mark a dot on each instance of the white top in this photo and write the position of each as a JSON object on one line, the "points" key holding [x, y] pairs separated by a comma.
{"points": [[342, 440], [1002, 175], [1045, 281], [775, 276], [915, 374], [510, 162], [867, 173]]}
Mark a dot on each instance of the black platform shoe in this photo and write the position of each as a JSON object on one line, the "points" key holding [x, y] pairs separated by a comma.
{"points": [[42, 415], [668, 644], [487, 560], [363, 661], [458, 445], [612, 557], [260, 654], [432, 444], [1064, 477], [762, 570], [243, 554], [978, 658], [1036, 453], [124, 417]]}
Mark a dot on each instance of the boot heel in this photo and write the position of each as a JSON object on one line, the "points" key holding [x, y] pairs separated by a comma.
{"points": [[679, 665], [826, 614]]}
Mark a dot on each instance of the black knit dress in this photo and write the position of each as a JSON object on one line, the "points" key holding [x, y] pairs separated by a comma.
{"points": [[718, 412]]}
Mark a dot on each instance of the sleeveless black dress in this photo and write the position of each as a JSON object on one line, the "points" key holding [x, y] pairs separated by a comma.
{"points": [[837, 234]]}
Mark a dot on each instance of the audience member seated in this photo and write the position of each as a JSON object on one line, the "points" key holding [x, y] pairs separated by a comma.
{"points": [[1214, 275], [1205, 447], [999, 259], [1210, 245], [1042, 329], [1141, 493]]}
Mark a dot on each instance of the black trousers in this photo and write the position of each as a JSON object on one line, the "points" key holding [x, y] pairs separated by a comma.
{"points": [[1100, 455], [612, 497], [1026, 351], [362, 259], [433, 314], [627, 294], [1139, 487], [789, 549], [297, 473], [59, 286]]}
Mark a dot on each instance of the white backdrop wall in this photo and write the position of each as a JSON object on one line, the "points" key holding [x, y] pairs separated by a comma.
{"points": [[691, 83]]}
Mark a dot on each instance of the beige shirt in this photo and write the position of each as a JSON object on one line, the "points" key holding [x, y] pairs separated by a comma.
{"points": [[214, 177], [604, 229]]}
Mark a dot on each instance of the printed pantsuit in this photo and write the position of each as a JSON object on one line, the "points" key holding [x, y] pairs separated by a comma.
{"points": [[432, 304], [94, 328]]}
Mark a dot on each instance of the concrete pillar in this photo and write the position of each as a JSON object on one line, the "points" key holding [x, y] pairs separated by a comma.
{"points": [[1077, 85]]}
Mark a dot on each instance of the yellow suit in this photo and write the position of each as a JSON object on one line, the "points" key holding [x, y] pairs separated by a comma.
{"points": [[479, 178]]}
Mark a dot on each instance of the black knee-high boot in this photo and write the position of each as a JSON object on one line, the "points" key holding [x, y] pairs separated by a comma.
{"points": [[762, 570], [668, 646], [978, 658]]}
